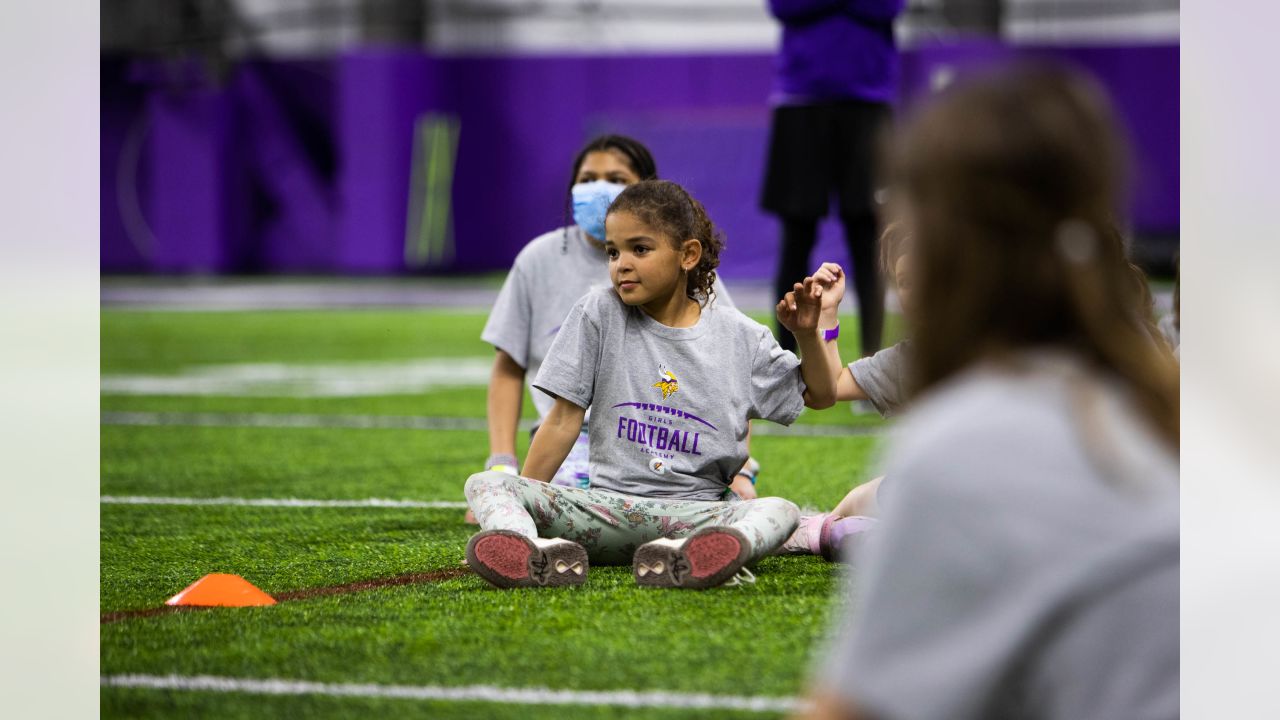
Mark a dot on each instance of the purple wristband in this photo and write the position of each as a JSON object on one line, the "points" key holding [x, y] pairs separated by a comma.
{"points": [[832, 334]]}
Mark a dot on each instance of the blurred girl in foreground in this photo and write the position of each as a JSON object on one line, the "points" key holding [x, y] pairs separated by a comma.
{"points": [[1027, 561]]}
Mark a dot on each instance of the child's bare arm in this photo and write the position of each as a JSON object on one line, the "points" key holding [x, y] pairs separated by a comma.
{"points": [[505, 396], [847, 388], [832, 278], [800, 312], [554, 440]]}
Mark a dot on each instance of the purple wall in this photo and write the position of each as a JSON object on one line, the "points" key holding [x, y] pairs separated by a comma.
{"points": [[306, 166], [1142, 82]]}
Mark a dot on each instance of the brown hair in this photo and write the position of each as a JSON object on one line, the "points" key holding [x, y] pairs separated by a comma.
{"points": [[1011, 182], [1146, 306], [895, 242], [672, 211]]}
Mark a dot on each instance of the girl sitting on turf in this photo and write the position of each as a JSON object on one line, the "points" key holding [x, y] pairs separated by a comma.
{"points": [[673, 378], [549, 275], [880, 378]]}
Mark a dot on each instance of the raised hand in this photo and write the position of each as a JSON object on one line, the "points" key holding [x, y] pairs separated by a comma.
{"points": [[832, 278], [786, 311], [808, 298], [800, 309]]}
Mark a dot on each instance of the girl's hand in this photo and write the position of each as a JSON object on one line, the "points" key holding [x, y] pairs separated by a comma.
{"points": [[800, 309], [808, 304], [832, 278], [786, 311], [742, 487]]}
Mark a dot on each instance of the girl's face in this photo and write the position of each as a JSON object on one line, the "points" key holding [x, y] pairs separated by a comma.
{"points": [[644, 265], [608, 165]]}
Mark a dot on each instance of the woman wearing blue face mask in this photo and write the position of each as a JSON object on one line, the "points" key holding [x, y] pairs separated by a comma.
{"points": [[549, 276]]}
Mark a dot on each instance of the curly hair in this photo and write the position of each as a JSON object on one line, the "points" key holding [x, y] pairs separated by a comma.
{"points": [[672, 211]]}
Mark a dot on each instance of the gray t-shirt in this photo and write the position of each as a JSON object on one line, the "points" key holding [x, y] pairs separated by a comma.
{"points": [[670, 406], [550, 274], [1026, 565], [883, 378]]}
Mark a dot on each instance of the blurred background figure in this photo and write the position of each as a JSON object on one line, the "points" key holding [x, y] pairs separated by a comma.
{"points": [[837, 75], [1027, 560]]}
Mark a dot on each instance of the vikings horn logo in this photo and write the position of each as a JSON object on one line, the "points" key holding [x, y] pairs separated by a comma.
{"points": [[668, 384]]}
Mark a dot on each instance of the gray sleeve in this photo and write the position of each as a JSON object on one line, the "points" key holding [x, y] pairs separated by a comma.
{"points": [[510, 321], [569, 370], [880, 377], [777, 389]]}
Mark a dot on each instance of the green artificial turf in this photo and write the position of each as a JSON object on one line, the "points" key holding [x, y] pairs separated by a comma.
{"points": [[405, 464], [607, 635], [134, 341], [445, 402]]}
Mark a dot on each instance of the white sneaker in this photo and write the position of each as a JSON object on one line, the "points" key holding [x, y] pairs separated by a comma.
{"points": [[705, 559], [508, 559]]}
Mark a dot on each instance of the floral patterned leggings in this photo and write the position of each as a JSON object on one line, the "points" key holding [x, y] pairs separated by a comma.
{"points": [[611, 525]]}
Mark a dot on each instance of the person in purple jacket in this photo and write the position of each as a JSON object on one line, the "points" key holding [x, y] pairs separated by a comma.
{"points": [[837, 75]]}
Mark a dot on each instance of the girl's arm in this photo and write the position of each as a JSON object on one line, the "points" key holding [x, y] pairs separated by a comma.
{"points": [[847, 387], [831, 277], [554, 440], [505, 398], [744, 483], [800, 312]]}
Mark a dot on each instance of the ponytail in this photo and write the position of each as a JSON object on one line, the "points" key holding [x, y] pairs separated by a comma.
{"points": [[1111, 304]]}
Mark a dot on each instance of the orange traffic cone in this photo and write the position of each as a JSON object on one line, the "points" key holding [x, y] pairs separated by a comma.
{"points": [[221, 590]]}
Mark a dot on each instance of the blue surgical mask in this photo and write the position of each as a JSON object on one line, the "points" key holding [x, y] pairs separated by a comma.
{"points": [[590, 203]]}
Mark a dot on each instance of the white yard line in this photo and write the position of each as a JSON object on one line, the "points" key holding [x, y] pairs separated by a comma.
{"points": [[280, 502], [410, 422], [354, 379], [473, 693], [297, 420]]}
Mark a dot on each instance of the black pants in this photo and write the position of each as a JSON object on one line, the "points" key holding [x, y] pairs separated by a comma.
{"points": [[817, 151], [798, 238]]}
